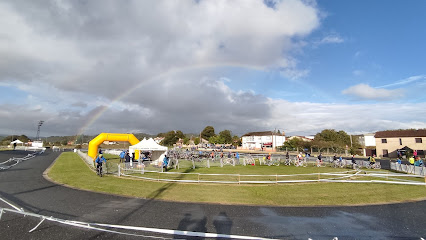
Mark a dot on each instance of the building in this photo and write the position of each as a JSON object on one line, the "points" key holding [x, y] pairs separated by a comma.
{"points": [[267, 141], [368, 144], [388, 143]]}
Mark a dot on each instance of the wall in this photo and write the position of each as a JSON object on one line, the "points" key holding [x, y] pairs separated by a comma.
{"points": [[393, 144]]}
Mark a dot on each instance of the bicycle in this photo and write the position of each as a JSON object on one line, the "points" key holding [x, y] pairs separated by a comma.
{"points": [[275, 162], [375, 165], [99, 170], [300, 163], [320, 163]]}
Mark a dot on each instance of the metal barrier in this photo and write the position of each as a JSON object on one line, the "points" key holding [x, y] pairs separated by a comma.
{"points": [[410, 169], [86, 158], [352, 176], [14, 161]]}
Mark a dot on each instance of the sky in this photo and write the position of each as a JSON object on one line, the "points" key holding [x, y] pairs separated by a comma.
{"points": [[86, 67]]}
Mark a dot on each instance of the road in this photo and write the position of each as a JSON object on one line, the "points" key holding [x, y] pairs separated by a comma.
{"points": [[24, 185]]}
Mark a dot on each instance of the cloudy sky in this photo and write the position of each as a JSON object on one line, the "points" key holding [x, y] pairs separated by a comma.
{"points": [[154, 66]]}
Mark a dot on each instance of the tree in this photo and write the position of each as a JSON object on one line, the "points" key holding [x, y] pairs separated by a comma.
{"points": [[208, 132], [293, 144], [217, 139], [335, 140], [185, 140], [236, 141], [226, 136], [172, 137], [197, 141]]}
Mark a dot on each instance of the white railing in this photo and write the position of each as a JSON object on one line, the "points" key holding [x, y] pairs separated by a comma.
{"points": [[410, 169]]}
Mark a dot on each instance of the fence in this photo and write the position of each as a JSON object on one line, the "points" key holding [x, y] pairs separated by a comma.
{"points": [[410, 169], [352, 176], [14, 161]]}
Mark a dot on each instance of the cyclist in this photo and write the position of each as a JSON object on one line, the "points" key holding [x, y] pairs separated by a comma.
{"points": [[98, 162], [372, 160], [319, 160]]}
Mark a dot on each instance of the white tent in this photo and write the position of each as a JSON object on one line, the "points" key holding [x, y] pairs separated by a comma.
{"points": [[17, 141], [158, 151]]}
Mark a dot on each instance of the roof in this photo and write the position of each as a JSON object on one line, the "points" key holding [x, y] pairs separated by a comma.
{"points": [[149, 144], [266, 133], [401, 133]]}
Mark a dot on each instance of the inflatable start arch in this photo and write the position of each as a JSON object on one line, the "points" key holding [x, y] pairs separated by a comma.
{"points": [[116, 137]]}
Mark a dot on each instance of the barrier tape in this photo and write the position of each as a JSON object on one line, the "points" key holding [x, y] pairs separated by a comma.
{"points": [[18, 160], [98, 227]]}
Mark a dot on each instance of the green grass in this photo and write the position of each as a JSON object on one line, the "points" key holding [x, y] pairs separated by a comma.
{"points": [[71, 170]]}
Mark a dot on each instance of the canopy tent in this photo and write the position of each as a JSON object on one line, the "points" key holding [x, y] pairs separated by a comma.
{"points": [[17, 141], [157, 150]]}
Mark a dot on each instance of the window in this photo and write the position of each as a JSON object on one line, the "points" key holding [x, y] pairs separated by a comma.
{"points": [[385, 153], [419, 140], [400, 141], [384, 140]]}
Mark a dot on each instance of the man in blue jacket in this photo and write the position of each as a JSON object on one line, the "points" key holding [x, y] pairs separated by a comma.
{"points": [[122, 155], [98, 162]]}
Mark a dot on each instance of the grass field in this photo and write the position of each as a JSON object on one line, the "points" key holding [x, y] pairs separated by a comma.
{"points": [[71, 170]]}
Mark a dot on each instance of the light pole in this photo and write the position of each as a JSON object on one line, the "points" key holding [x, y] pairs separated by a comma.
{"points": [[38, 129]]}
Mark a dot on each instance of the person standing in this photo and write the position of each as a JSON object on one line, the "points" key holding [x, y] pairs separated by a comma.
{"points": [[127, 157], [122, 155]]}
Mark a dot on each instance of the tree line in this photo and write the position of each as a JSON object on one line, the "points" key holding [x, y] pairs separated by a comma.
{"points": [[337, 141], [208, 134]]}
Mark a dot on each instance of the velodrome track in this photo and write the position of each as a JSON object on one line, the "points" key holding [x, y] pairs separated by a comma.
{"points": [[24, 186]]}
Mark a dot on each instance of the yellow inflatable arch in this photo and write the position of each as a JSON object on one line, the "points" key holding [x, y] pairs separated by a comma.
{"points": [[116, 137]]}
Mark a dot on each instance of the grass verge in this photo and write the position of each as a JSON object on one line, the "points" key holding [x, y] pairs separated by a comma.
{"points": [[69, 169]]}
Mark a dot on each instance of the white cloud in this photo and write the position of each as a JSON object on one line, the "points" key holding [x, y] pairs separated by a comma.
{"points": [[365, 92], [331, 39], [310, 118], [358, 72], [406, 81]]}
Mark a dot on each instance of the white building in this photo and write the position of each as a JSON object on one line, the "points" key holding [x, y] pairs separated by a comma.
{"points": [[267, 141], [368, 140]]}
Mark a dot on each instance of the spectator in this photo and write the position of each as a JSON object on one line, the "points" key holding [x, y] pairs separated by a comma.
{"points": [[165, 162], [127, 157], [122, 155], [418, 162], [411, 160]]}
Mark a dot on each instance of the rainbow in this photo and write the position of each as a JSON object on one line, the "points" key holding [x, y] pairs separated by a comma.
{"points": [[103, 109]]}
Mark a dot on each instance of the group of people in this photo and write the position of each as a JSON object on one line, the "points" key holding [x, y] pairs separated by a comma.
{"points": [[414, 160], [221, 154], [125, 156]]}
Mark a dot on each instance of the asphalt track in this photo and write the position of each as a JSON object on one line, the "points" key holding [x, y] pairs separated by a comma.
{"points": [[24, 185]]}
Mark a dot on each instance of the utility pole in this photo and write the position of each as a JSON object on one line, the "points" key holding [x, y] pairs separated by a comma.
{"points": [[38, 129]]}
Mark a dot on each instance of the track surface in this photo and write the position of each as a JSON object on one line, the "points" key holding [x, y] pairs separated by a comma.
{"points": [[25, 186]]}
